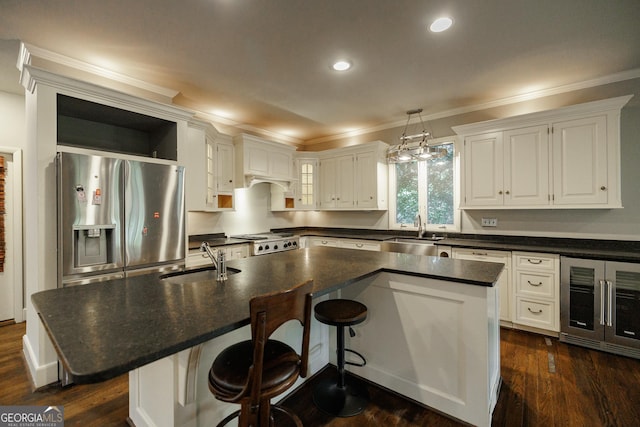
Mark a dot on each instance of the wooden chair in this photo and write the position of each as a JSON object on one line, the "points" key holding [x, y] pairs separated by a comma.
{"points": [[253, 371]]}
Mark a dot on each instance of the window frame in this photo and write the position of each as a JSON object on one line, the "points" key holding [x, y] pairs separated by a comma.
{"points": [[422, 190]]}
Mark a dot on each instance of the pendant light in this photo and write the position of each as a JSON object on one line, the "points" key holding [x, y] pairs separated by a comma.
{"points": [[407, 150]]}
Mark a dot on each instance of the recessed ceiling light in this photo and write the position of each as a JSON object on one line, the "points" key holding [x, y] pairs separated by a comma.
{"points": [[441, 24], [341, 65]]}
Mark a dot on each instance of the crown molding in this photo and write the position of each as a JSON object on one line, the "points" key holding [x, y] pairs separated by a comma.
{"points": [[541, 117], [612, 78], [28, 52], [31, 76]]}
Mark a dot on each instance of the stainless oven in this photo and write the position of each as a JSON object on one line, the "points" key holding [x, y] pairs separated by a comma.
{"points": [[269, 243]]}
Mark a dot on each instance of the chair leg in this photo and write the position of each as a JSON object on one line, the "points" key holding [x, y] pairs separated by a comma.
{"points": [[264, 417], [248, 416], [340, 336]]}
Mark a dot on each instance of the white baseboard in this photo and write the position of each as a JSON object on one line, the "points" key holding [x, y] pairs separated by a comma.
{"points": [[41, 375]]}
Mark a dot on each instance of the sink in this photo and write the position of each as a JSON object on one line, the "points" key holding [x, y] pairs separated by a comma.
{"points": [[204, 274], [410, 246]]}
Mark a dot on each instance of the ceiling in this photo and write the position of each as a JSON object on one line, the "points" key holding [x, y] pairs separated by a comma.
{"points": [[265, 65]]}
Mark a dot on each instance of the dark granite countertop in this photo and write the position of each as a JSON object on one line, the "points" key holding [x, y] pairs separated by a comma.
{"points": [[602, 249], [590, 249], [102, 330]]}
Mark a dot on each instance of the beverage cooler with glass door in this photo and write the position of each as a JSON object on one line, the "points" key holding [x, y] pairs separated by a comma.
{"points": [[600, 305]]}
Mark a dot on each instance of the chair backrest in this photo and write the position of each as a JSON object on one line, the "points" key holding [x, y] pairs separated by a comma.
{"points": [[268, 313]]}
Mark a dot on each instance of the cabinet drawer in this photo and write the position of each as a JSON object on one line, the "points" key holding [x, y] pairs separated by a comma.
{"points": [[540, 314], [482, 255], [324, 241], [531, 261], [364, 246], [535, 284]]}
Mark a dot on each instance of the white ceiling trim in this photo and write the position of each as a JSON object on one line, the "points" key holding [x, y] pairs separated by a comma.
{"points": [[612, 78], [27, 51]]}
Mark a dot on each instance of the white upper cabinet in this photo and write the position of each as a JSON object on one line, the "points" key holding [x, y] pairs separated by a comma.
{"points": [[526, 166], [259, 160], [564, 158], [483, 170], [225, 161], [354, 178], [209, 167], [580, 162], [306, 194], [328, 190]]}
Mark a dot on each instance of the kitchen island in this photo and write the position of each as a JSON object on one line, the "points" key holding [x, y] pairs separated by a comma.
{"points": [[442, 311]]}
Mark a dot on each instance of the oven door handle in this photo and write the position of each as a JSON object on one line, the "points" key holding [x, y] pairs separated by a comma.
{"points": [[602, 302], [609, 303]]}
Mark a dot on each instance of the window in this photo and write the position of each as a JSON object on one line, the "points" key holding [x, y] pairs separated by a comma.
{"points": [[428, 187]]}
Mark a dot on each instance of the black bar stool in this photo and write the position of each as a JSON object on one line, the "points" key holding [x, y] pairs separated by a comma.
{"points": [[341, 398]]}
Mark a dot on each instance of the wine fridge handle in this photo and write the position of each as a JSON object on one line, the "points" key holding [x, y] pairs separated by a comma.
{"points": [[609, 303], [602, 302]]}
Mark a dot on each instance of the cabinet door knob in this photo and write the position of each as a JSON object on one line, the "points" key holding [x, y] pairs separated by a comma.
{"points": [[506, 192], [500, 192], [603, 188]]}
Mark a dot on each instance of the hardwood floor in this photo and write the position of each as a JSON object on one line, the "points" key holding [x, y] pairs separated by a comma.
{"points": [[103, 404], [545, 383]]}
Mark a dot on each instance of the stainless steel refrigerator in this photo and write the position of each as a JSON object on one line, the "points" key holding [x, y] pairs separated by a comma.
{"points": [[117, 218]]}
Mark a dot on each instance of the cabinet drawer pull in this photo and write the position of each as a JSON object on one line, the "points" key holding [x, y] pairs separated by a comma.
{"points": [[359, 245], [324, 242], [534, 284], [534, 261], [479, 253], [633, 334], [534, 312]]}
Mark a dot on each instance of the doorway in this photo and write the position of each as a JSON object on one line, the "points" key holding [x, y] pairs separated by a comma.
{"points": [[11, 282]]}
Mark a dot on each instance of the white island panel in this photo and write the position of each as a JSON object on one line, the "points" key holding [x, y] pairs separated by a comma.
{"points": [[433, 341]]}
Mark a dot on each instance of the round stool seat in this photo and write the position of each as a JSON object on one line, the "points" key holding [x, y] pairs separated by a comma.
{"points": [[228, 374], [340, 312]]}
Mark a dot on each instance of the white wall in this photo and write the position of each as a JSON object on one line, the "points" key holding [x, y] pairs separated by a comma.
{"points": [[252, 215], [12, 120]]}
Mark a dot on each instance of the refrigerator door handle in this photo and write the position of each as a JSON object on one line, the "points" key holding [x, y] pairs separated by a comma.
{"points": [[602, 302], [609, 303]]}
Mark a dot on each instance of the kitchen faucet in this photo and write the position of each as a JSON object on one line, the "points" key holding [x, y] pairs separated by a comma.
{"points": [[218, 262], [418, 219]]}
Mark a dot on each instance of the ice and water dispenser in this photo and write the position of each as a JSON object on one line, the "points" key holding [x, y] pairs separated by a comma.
{"points": [[93, 245]]}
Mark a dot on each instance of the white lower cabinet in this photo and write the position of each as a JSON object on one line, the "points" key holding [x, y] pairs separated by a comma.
{"points": [[364, 245], [504, 283], [536, 287]]}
